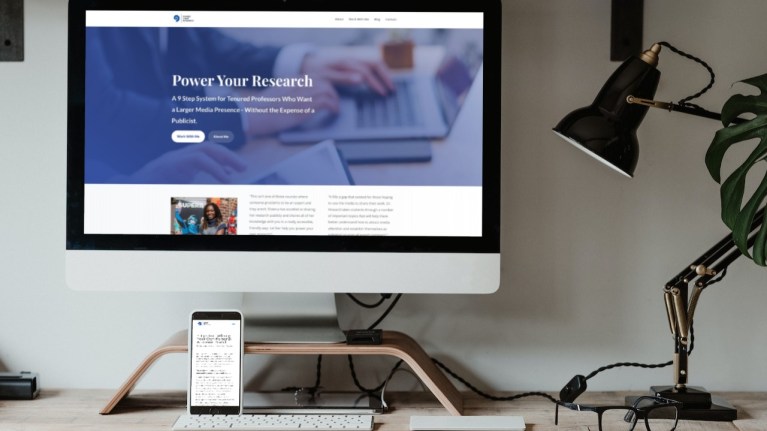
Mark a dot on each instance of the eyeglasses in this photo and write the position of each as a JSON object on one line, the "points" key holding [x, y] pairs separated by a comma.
{"points": [[659, 414]]}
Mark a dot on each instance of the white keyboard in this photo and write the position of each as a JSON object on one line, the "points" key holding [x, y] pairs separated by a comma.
{"points": [[281, 422]]}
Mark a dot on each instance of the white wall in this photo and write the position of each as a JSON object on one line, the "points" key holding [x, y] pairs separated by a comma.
{"points": [[586, 252]]}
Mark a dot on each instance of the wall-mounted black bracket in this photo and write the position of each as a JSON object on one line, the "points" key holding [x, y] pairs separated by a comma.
{"points": [[12, 30], [626, 29]]}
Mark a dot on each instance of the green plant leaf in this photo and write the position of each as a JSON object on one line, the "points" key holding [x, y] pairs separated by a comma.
{"points": [[759, 82], [733, 188], [727, 136], [760, 245], [739, 104], [743, 223], [736, 216]]}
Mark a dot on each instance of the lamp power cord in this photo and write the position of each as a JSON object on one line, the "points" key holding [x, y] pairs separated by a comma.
{"points": [[712, 78], [397, 366]]}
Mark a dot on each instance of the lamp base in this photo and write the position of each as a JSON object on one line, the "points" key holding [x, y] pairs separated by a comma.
{"points": [[698, 404]]}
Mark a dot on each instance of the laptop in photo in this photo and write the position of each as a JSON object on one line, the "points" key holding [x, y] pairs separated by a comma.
{"points": [[421, 107]]}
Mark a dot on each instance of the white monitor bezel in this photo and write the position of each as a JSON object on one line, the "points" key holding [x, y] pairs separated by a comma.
{"points": [[307, 264]]}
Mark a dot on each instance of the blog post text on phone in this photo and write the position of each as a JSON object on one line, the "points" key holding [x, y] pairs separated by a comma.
{"points": [[216, 351]]}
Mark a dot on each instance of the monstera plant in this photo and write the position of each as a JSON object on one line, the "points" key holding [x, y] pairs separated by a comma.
{"points": [[737, 216]]}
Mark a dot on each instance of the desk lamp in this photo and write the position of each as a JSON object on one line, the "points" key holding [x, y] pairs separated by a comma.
{"points": [[606, 130]]}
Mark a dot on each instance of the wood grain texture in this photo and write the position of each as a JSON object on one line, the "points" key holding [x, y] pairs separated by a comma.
{"points": [[394, 344], [57, 410]]}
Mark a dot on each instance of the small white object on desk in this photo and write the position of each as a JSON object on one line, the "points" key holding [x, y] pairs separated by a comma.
{"points": [[467, 423]]}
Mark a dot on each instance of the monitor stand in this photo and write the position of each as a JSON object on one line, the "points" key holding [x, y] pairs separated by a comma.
{"points": [[303, 318], [265, 321], [291, 318]]}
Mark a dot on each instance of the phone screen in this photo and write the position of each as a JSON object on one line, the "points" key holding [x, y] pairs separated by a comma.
{"points": [[215, 350]]}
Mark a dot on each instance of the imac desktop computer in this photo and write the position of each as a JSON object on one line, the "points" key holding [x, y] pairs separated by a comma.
{"points": [[291, 149]]}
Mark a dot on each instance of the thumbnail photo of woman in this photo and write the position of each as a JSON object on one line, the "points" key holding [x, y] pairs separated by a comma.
{"points": [[203, 216]]}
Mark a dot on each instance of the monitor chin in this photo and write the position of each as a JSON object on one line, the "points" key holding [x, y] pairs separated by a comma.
{"points": [[284, 272]]}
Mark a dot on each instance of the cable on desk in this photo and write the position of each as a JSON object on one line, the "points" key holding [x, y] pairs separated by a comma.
{"points": [[391, 376], [381, 387], [488, 396], [627, 364], [377, 388], [664, 364]]}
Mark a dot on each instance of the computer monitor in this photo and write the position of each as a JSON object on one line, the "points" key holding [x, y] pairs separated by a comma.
{"points": [[281, 146]]}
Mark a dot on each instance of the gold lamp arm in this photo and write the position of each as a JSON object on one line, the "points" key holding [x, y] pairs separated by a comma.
{"points": [[647, 102], [681, 310], [685, 109]]}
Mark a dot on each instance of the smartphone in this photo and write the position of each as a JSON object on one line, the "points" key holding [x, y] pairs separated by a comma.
{"points": [[215, 363]]}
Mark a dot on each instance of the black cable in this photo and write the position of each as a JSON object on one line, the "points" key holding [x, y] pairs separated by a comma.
{"points": [[469, 385], [453, 374], [386, 313], [488, 396], [661, 365], [712, 76], [692, 339], [664, 364], [351, 361], [627, 364], [319, 374], [464, 381], [384, 297], [715, 280], [377, 388]]}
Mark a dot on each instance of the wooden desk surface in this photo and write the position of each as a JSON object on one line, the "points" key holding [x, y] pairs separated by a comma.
{"points": [[78, 410]]}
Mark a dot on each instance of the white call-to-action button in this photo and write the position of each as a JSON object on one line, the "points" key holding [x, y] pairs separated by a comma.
{"points": [[188, 136]]}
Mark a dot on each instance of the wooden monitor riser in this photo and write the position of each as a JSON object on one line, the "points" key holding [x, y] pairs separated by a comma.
{"points": [[394, 344]]}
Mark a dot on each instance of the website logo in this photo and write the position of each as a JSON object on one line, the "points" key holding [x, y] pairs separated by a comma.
{"points": [[181, 18]]}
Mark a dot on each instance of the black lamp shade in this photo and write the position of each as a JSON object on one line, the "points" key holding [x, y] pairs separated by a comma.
{"points": [[607, 128]]}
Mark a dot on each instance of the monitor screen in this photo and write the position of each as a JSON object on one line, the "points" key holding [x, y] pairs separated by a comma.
{"points": [[283, 146]]}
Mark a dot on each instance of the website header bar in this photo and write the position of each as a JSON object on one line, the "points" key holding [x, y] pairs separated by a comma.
{"points": [[251, 19]]}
